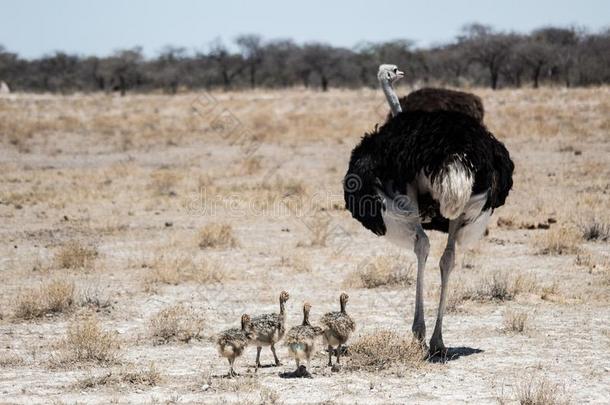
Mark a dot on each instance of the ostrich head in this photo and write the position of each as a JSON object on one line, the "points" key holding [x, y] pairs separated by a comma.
{"points": [[245, 322], [306, 309], [343, 298], [389, 73], [284, 296]]}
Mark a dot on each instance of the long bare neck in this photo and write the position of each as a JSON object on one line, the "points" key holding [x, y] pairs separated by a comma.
{"points": [[342, 306], [391, 96], [305, 317], [282, 308]]}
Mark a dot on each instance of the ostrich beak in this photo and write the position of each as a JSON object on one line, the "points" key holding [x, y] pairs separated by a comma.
{"points": [[400, 75]]}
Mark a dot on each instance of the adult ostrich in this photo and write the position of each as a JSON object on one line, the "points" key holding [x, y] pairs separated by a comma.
{"points": [[439, 170], [434, 99]]}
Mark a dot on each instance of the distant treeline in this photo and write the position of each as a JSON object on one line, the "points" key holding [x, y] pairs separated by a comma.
{"points": [[479, 56]]}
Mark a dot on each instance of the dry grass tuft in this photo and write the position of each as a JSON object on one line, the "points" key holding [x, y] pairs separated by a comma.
{"points": [[559, 241], [94, 298], [299, 262], [319, 231], [163, 182], [550, 292], [285, 188], [540, 392], [251, 165], [216, 235], [501, 286], [382, 271], [55, 297], [175, 270], [129, 375], [74, 255], [10, 359], [385, 349], [456, 296], [515, 321], [595, 231], [246, 383], [175, 323], [87, 342]]}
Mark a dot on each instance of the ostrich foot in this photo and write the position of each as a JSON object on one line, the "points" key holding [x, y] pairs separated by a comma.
{"points": [[437, 348], [301, 372], [419, 332]]}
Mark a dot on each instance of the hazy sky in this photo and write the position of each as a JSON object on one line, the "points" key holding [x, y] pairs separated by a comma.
{"points": [[36, 27]]}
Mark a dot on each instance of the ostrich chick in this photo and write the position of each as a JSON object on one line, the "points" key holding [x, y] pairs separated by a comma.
{"points": [[337, 328], [269, 329], [232, 342], [301, 339]]}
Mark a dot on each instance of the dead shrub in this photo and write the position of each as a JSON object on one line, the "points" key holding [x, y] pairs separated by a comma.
{"points": [[382, 271], [175, 323], [515, 321], [216, 235], [86, 341], [130, 375], [595, 231], [559, 241], [56, 296], [75, 255], [384, 349], [540, 391]]}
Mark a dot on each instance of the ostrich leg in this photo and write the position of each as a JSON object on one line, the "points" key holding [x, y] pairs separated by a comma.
{"points": [[446, 264], [422, 248], [258, 357], [277, 360]]}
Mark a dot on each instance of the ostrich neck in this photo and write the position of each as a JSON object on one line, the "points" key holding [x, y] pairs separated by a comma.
{"points": [[342, 307], [282, 308], [391, 96], [305, 318]]}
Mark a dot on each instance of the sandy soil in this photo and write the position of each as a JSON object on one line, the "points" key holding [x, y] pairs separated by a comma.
{"points": [[137, 178]]}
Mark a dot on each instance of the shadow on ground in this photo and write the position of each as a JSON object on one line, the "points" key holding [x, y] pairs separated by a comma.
{"points": [[453, 353]]}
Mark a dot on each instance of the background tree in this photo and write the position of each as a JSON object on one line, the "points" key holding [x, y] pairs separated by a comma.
{"points": [[488, 48], [478, 56], [228, 65], [252, 53]]}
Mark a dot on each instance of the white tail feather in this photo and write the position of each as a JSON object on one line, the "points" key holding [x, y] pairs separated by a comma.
{"points": [[452, 189]]}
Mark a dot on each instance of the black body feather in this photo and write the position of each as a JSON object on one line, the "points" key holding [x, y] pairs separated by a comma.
{"points": [[418, 140], [435, 99]]}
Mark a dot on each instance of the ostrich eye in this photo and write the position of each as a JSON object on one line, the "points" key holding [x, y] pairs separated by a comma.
{"points": [[395, 70]]}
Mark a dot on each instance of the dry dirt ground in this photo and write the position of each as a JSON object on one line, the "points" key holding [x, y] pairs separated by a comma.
{"points": [[134, 229]]}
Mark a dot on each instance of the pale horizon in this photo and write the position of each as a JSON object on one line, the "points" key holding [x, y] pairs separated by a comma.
{"points": [[34, 28]]}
